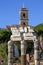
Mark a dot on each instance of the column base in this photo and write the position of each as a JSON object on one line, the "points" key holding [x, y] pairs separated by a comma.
{"points": [[23, 59]]}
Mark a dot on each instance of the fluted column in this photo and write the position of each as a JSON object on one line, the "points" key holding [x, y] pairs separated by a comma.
{"points": [[10, 52], [23, 52], [36, 53]]}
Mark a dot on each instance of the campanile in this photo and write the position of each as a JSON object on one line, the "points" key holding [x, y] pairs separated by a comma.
{"points": [[23, 16]]}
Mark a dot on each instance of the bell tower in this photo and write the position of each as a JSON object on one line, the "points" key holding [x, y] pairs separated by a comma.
{"points": [[23, 17]]}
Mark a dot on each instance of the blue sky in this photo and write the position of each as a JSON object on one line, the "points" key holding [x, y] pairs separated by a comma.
{"points": [[9, 11]]}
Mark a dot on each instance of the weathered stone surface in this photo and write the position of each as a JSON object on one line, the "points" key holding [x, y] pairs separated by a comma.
{"points": [[10, 53], [23, 59], [15, 38], [23, 52], [28, 34], [36, 55], [28, 38], [23, 47]]}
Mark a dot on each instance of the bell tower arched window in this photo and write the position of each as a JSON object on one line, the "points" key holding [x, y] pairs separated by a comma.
{"points": [[23, 15]]}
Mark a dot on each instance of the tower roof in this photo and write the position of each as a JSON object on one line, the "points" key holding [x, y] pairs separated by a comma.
{"points": [[23, 9]]}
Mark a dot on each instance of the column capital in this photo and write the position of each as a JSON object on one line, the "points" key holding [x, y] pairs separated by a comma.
{"points": [[10, 42], [23, 41]]}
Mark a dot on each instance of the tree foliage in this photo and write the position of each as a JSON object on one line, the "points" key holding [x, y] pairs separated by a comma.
{"points": [[39, 29], [3, 51], [4, 35]]}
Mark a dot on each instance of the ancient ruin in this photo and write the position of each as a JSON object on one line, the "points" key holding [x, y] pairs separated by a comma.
{"points": [[23, 32]]}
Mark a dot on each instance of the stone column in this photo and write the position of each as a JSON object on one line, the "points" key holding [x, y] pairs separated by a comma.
{"points": [[36, 53], [10, 52], [23, 52], [41, 42], [27, 59]]}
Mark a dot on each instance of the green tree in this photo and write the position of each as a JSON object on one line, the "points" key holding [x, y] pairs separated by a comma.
{"points": [[39, 29], [4, 35], [3, 51]]}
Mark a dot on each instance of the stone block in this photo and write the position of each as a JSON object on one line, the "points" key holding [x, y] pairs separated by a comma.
{"points": [[15, 38]]}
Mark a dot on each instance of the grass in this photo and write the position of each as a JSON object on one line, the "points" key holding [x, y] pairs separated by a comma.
{"points": [[2, 64]]}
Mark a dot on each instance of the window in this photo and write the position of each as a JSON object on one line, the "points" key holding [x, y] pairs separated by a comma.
{"points": [[23, 15], [24, 23]]}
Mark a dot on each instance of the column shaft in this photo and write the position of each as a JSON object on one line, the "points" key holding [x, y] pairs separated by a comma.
{"points": [[23, 52], [36, 53], [10, 53]]}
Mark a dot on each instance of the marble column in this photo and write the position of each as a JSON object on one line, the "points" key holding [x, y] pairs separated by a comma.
{"points": [[10, 52], [23, 52], [36, 53]]}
